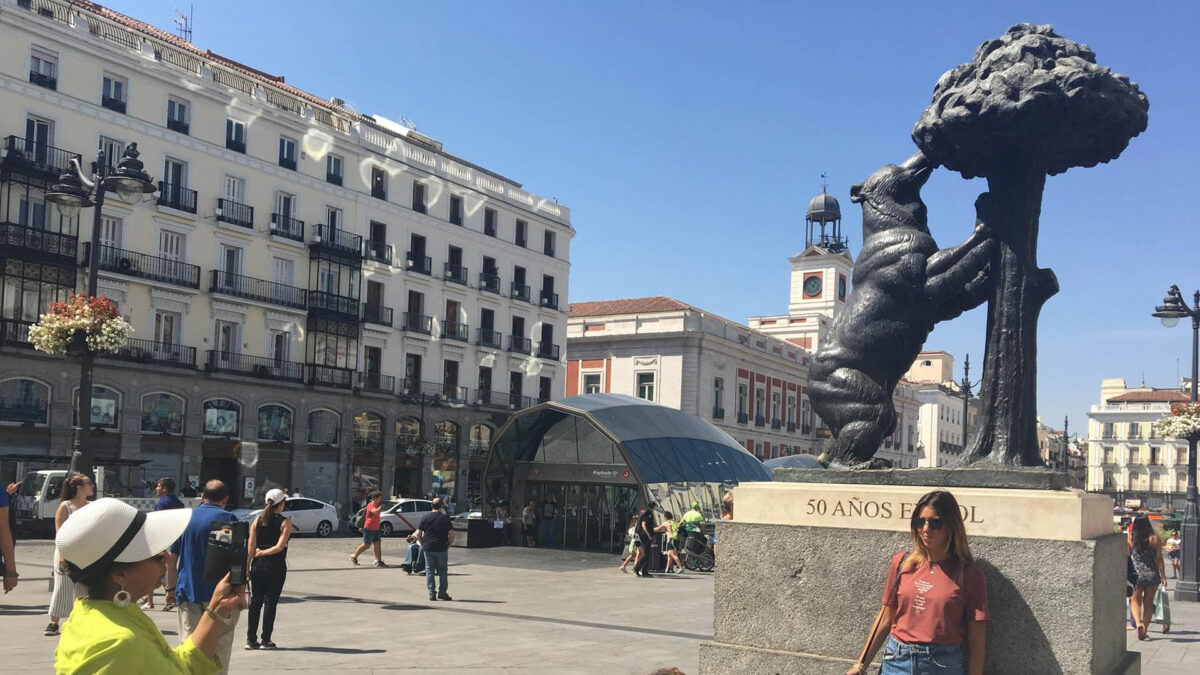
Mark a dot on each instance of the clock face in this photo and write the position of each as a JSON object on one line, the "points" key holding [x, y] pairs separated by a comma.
{"points": [[812, 287]]}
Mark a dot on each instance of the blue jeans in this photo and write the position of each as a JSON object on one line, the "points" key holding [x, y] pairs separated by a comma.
{"points": [[547, 532], [904, 659], [435, 562], [413, 554]]}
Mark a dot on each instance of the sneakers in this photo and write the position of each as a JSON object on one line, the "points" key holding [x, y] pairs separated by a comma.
{"points": [[380, 563], [432, 597], [679, 571], [51, 629], [353, 560], [252, 644], [267, 644], [444, 596]]}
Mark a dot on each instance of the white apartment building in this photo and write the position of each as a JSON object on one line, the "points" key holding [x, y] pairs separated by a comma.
{"points": [[941, 431], [1126, 459], [329, 285]]}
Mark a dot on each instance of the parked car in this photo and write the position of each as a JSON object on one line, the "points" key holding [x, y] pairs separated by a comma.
{"points": [[308, 516], [400, 516]]}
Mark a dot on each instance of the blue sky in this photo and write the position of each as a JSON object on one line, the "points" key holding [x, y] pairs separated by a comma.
{"points": [[688, 137]]}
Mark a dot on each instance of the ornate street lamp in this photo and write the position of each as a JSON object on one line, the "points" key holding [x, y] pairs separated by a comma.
{"points": [[1187, 587], [76, 190]]}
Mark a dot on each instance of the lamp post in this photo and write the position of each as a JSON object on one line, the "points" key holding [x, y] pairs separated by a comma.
{"points": [[1171, 311], [422, 399], [76, 190]]}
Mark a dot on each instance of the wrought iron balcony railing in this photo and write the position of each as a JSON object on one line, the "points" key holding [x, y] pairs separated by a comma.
{"points": [[417, 323], [760, 421], [379, 252], [520, 292], [490, 338], [456, 330], [235, 145], [547, 350], [166, 270], [331, 303], [287, 227], [520, 345], [333, 178], [337, 240], [287, 162], [176, 197], [32, 155], [47, 81], [377, 314], [158, 353], [548, 300], [379, 193], [178, 126], [743, 418], [254, 366], [455, 273], [330, 376], [113, 104], [15, 332], [718, 413], [376, 382], [490, 282], [19, 241], [258, 289], [421, 264], [234, 213], [491, 399]]}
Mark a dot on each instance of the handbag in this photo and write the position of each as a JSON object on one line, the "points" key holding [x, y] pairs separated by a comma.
{"points": [[1162, 607]]}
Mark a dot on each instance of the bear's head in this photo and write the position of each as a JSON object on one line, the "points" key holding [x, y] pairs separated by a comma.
{"points": [[891, 197]]}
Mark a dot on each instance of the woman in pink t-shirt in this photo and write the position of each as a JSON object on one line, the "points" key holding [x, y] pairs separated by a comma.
{"points": [[934, 601]]}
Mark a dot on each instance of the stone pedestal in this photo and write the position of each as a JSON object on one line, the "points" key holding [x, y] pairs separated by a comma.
{"points": [[800, 575]]}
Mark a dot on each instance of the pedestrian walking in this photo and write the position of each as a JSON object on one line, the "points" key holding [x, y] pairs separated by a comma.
{"points": [[8, 557], [645, 533], [436, 534], [632, 548], [505, 521], [165, 489], [934, 600], [267, 547], [110, 549], [193, 595], [1171, 548], [370, 529], [1145, 550], [548, 512], [529, 522], [74, 496], [670, 528]]}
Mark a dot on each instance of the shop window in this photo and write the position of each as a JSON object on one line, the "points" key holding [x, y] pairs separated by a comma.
{"points": [[324, 427], [106, 408], [481, 438], [368, 431], [275, 424], [445, 436], [222, 417], [162, 413], [24, 401]]}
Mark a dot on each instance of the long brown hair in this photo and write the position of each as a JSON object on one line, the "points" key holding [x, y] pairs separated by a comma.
{"points": [[947, 509], [71, 485], [1142, 531], [268, 511]]}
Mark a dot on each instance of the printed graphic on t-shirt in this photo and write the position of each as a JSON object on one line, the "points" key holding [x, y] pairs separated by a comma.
{"points": [[923, 587]]}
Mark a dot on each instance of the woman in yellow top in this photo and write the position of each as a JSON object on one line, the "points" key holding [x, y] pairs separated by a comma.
{"points": [[117, 553], [670, 526]]}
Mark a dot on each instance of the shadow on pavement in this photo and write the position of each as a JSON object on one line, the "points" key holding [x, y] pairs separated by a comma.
{"points": [[331, 650]]}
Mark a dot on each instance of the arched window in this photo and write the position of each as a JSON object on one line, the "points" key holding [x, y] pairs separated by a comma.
{"points": [[481, 439], [162, 413], [24, 401], [275, 424], [368, 431], [324, 427], [445, 436], [106, 408], [408, 431], [222, 417], [1133, 480]]}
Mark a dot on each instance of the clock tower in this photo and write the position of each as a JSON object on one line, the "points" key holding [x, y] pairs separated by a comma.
{"points": [[820, 280]]}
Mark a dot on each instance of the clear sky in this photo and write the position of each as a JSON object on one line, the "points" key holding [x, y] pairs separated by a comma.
{"points": [[688, 138]]}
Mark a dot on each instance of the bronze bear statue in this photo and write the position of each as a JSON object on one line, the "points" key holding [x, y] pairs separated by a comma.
{"points": [[903, 285]]}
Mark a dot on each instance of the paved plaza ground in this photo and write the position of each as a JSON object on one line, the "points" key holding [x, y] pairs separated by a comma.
{"points": [[514, 611]]}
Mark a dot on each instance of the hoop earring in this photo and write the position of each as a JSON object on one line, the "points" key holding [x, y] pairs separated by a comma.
{"points": [[121, 598]]}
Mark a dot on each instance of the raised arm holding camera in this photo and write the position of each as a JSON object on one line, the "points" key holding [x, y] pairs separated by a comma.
{"points": [[118, 553]]}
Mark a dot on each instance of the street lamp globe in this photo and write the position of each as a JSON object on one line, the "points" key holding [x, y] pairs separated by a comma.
{"points": [[1169, 321]]}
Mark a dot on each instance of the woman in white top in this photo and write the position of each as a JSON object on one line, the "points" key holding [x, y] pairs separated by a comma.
{"points": [[1172, 550], [75, 493]]}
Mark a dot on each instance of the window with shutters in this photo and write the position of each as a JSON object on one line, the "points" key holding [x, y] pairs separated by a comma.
{"points": [[171, 245], [110, 231]]}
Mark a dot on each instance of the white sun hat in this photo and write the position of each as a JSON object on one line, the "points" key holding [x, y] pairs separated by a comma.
{"points": [[275, 496], [109, 530]]}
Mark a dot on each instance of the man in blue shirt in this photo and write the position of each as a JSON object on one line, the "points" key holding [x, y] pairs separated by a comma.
{"points": [[192, 593], [166, 495]]}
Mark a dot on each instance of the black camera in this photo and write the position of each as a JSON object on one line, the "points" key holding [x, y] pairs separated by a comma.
{"points": [[226, 552]]}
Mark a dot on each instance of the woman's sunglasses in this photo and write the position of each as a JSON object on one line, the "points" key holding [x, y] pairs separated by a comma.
{"points": [[934, 523]]}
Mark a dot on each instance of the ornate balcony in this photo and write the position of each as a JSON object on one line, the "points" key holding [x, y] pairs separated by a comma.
{"points": [[25, 243], [253, 366], [336, 241], [234, 213], [718, 413], [47, 81], [15, 333], [743, 418], [258, 289], [176, 197], [339, 306], [34, 158], [287, 227], [128, 263]]}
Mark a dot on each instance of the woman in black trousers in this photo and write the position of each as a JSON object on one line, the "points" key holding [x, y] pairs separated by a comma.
{"points": [[268, 568]]}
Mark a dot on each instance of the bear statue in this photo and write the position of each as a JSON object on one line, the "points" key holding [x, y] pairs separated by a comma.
{"points": [[903, 285]]}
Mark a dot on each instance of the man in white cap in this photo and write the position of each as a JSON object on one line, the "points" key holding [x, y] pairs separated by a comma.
{"points": [[192, 592]]}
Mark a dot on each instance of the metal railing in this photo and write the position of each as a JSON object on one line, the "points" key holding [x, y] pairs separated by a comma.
{"points": [[112, 259], [113, 104], [333, 178], [718, 413], [421, 264], [456, 330], [490, 338], [15, 332], [413, 387], [254, 366], [548, 300], [178, 126], [258, 289], [287, 162], [325, 236], [379, 193], [776, 425], [379, 252], [235, 145], [47, 81], [520, 292], [455, 273], [490, 282], [287, 227], [376, 382], [330, 376], [23, 153], [176, 197], [377, 314], [158, 353], [234, 213], [743, 418], [520, 345], [760, 421], [491, 399], [37, 240], [323, 301], [417, 323], [519, 402], [547, 350]]}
